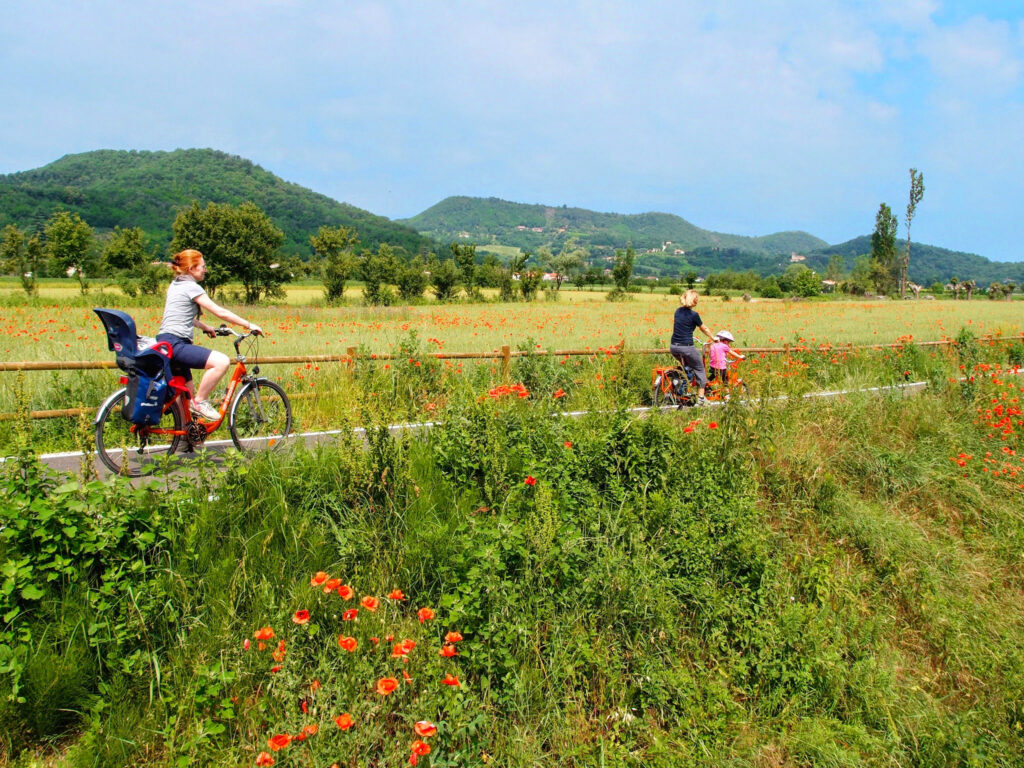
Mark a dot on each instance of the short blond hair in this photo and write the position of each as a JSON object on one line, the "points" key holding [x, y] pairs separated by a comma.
{"points": [[689, 298]]}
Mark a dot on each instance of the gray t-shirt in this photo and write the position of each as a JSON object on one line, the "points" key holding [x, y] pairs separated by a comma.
{"points": [[181, 310]]}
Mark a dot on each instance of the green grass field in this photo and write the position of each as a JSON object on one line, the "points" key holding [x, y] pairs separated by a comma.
{"points": [[799, 584]]}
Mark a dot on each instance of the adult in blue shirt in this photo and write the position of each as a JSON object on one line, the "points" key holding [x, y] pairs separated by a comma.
{"points": [[681, 346]]}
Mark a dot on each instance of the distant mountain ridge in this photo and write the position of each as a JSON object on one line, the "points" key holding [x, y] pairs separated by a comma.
{"points": [[130, 188], [667, 244], [495, 221]]}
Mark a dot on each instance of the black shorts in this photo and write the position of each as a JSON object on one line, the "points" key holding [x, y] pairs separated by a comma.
{"points": [[185, 355]]}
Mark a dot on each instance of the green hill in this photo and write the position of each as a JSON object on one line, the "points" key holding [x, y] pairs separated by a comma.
{"points": [[492, 221], [928, 263], [111, 188]]}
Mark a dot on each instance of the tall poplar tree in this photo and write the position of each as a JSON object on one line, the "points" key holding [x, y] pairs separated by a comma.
{"points": [[916, 193]]}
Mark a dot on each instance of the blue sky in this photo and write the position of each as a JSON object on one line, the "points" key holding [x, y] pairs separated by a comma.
{"points": [[742, 116]]}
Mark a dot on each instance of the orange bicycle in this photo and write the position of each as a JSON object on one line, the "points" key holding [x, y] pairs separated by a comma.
{"points": [[258, 413]]}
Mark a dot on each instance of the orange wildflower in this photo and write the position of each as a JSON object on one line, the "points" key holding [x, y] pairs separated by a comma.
{"points": [[346, 592], [386, 685], [448, 651], [425, 729], [453, 637], [347, 643], [318, 578], [264, 758], [301, 617], [350, 614], [396, 594], [425, 614], [420, 748], [450, 679], [280, 741], [280, 652], [369, 603], [344, 721], [331, 584], [263, 634]]}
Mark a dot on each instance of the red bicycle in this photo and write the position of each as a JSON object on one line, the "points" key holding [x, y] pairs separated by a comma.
{"points": [[258, 413]]}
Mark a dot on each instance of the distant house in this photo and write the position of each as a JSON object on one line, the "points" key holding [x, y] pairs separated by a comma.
{"points": [[679, 252], [464, 235], [828, 286], [537, 229], [796, 257], [549, 277]]}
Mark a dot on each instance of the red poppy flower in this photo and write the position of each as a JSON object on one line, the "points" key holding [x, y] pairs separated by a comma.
{"points": [[375, 640], [448, 651], [275, 669], [713, 425], [386, 685], [405, 675], [420, 748], [331, 584], [408, 645], [280, 652], [350, 614], [425, 728], [347, 643], [396, 594], [263, 634], [280, 741], [453, 637], [301, 617], [425, 614], [398, 651], [559, 393], [318, 578], [567, 444], [245, 644], [530, 480], [344, 721], [346, 592], [369, 603], [450, 679], [315, 685], [264, 759], [311, 729]]}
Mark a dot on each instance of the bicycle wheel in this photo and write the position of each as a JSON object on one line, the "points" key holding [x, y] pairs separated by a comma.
{"points": [[260, 416], [130, 450], [666, 392]]}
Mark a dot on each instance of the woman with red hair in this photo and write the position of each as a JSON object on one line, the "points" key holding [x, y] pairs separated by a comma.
{"points": [[186, 301]]}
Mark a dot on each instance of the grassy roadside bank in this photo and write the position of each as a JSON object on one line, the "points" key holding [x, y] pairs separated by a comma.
{"points": [[819, 584]]}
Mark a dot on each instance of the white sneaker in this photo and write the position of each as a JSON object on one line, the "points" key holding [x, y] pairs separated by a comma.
{"points": [[204, 410], [701, 401]]}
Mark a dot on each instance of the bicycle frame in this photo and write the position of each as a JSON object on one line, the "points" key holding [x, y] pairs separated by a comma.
{"points": [[182, 394]]}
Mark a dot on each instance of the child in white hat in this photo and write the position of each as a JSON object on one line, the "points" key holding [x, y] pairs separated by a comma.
{"points": [[719, 353]]}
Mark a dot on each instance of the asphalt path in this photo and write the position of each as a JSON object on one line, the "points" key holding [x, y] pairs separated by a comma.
{"points": [[70, 462]]}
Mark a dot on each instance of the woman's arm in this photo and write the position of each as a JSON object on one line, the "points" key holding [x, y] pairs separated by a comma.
{"points": [[707, 332], [205, 302]]}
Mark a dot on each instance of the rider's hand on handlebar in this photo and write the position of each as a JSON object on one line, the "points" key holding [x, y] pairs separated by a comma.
{"points": [[255, 330], [211, 333]]}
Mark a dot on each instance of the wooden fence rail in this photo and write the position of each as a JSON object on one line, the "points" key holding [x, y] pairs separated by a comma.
{"points": [[504, 355]]}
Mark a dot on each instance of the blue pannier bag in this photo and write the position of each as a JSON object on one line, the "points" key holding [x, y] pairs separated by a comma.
{"points": [[148, 367], [146, 391]]}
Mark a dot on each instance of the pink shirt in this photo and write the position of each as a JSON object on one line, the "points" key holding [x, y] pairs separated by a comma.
{"points": [[716, 354]]}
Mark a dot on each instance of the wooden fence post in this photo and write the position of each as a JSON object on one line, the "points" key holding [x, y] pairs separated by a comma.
{"points": [[506, 362]]}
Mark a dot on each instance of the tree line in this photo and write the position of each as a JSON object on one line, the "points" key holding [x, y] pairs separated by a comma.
{"points": [[241, 244]]}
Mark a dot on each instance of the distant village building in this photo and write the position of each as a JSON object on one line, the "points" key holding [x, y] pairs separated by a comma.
{"points": [[796, 257], [464, 235]]}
